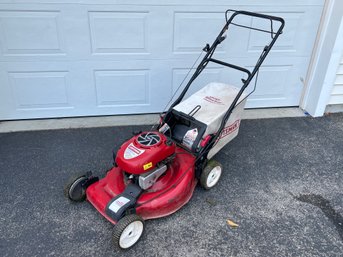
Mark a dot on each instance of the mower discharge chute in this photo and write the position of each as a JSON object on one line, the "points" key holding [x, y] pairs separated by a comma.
{"points": [[155, 172]]}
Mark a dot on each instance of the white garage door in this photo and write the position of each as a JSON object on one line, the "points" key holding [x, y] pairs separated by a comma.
{"points": [[77, 58]]}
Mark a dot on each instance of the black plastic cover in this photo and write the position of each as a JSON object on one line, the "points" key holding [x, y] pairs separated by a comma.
{"points": [[180, 123], [117, 207]]}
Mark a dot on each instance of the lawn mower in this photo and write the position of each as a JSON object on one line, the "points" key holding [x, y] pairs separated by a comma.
{"points": [[155, 172]]}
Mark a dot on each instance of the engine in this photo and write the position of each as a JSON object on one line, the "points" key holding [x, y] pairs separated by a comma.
{"points": [[146, 156]]}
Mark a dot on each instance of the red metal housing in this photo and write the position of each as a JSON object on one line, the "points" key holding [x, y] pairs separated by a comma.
{"points": [[136, 158], [166, 196]]}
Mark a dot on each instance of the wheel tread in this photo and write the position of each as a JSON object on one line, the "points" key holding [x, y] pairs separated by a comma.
{"points": [[69, 183], [204, 174], [121, 225]]}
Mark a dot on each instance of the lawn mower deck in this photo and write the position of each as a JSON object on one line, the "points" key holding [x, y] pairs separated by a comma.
{"points": [[166, 196]]}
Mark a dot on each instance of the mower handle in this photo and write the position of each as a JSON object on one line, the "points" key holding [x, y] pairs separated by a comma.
{"points": [[211, 49], [265, 51], [230, 65], [208, 58], [258, 15]]}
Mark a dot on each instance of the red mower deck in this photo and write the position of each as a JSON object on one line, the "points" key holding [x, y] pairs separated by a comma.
{"points": [[165, 197]]}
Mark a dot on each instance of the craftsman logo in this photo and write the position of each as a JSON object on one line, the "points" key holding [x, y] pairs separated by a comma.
{"points": [[213, 100], [132, 151], [229, 129]]}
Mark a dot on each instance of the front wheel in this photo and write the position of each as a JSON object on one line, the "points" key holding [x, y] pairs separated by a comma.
{"points": [[211, 174], [74, 189], [128, 231]]}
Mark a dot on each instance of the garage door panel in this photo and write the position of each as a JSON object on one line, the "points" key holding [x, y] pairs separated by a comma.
{"points": [[140, 86], [51, 85], [33, 90], [122, 87], [100, 58], [193, 29], [286, 43], [42, 33], [118, 32], [130, 33], [279, 83], [152, 38], [76, 86], [271, 85], [31, 33]]}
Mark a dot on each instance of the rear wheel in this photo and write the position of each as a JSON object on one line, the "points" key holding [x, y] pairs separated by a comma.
{"points": [[128, 231], [74, 189], [211, 174]]}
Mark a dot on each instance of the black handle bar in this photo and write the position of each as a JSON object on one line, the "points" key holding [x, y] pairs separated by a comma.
{"points": [[208, 58], [210, 51], [258, 15]]}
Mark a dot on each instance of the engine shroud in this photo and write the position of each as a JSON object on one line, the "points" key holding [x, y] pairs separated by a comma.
{"points": [[144, 151]]}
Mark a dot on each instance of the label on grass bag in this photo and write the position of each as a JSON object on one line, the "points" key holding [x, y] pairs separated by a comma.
{"points": [[189, 138]]}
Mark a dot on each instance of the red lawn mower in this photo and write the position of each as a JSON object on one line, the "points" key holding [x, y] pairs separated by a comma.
{"points": [[155, 172]]}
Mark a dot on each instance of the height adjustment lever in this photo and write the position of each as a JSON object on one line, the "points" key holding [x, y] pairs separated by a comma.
{"points": [[206, 48], [223, 37]]}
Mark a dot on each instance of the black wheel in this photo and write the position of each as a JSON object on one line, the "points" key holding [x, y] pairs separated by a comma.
{"points": [[74, 190], [128, 231], [211, 174]]}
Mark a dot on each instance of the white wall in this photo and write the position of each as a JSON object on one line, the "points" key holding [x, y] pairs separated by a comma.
{"points": [[326, 57], [336, 96]]}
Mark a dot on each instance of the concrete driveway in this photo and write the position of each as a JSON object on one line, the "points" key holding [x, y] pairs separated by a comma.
{"points": [[283, 185]]}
